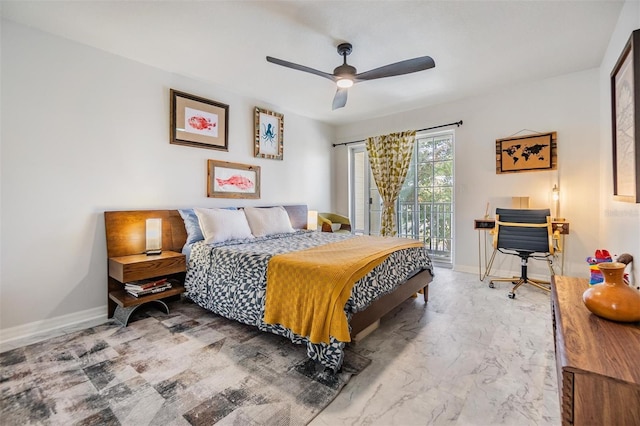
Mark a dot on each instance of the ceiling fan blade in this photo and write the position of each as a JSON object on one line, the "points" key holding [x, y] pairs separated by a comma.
{"points": [[398, 68], [300, 67], [340, 99]]}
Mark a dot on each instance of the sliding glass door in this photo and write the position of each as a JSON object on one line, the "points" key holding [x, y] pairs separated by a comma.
{"points": [[426, 202], [366, 204]]}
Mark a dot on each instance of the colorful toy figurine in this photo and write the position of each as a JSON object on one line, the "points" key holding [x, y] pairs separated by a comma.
{"points": [[601, 256]]}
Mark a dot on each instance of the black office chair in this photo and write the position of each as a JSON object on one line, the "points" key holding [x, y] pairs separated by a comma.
{"points": [[526, 233]]}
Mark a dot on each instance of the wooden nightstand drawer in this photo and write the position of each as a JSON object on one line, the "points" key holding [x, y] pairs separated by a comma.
{"points": [[141, 266]]}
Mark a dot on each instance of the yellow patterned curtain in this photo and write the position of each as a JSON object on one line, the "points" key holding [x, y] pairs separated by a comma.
{"points": [[390, 156]]}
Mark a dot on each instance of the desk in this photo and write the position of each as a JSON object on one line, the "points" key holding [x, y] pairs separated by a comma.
{"points": [[487, 224]]}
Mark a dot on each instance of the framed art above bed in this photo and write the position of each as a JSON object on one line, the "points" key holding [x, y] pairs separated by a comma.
{"points": [[269, 134], [198, 122], [232, 180]]}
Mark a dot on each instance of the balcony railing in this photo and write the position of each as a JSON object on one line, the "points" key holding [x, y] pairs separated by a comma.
{"points": [[431, 223]]}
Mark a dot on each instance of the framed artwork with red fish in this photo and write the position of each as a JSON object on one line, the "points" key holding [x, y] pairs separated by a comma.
{"points": [[232, 180], [198, 122], [269, 133]]}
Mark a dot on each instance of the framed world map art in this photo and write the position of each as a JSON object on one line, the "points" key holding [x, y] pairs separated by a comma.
{"points": [[529, 153], [625, 114]]}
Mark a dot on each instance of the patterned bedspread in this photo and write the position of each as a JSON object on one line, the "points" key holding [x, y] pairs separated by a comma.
{"points": [[230, 280]]}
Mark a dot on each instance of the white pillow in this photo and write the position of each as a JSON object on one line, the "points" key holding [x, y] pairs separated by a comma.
{"points": [[220, 225], [268, 221]]}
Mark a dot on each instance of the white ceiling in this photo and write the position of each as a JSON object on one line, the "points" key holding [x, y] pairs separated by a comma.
{"points": [[478, 46]]}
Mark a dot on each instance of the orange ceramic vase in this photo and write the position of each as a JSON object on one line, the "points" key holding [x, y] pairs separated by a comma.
{"points": [[613, 299]]}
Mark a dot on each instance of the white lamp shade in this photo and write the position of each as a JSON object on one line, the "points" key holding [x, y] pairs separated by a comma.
{"points": [[154, 235], [312, 220], [555, 196]]}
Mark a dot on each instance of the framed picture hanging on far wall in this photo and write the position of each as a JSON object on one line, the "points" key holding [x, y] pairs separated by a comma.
{"points": [[269, 134], [530, 153], [625, 117], [198, 122]]}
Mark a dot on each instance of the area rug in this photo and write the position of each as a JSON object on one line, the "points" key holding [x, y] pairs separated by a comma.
{"points": [[188, 367]]}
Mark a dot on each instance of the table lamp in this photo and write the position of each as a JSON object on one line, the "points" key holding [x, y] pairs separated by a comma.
{"points": [[153, 236], [312, 220]]}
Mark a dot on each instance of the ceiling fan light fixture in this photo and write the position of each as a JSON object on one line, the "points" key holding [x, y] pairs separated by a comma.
{"points": [[346, 75], [344, 83]]}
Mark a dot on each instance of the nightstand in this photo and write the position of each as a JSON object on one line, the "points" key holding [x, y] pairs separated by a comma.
{"points": [[122, 269]]}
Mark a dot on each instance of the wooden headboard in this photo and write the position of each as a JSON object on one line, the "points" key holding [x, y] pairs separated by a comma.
{"points": [[125, 230]]}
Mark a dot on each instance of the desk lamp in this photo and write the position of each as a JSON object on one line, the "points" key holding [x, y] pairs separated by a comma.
{"points": [[555, 196]]}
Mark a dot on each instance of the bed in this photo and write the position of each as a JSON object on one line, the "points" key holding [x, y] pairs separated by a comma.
{"points": [[229, 277]]}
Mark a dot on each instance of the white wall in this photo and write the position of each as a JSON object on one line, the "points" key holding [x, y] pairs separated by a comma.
{"points": [[620, 230], [568, 105], [84, 131]]}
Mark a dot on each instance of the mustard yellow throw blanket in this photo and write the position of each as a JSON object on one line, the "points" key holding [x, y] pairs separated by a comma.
{"points": [[308, 289]]}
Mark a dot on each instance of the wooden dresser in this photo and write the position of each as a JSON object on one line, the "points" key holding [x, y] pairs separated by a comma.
{"points": [[598, 360]]}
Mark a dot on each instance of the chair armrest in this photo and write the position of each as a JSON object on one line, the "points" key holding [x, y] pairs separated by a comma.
{"points": [[325, 224], [326, 227]]}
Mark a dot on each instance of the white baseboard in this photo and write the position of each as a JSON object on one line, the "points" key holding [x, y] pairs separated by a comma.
{"points": [[465, 268], [39, 330]]}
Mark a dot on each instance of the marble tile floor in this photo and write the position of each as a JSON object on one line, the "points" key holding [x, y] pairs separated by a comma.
{"points": [[471, 356]]}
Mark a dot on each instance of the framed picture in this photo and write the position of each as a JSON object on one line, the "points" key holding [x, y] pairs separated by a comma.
{"points": [[625, 117], [527, 153], [269, 128], [198, 121], [232, 180]]}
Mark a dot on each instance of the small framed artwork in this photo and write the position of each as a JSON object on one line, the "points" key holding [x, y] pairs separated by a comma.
{"points": [[625, 117], [232, 180], [269, 129], [527, 153], [198, 122]]}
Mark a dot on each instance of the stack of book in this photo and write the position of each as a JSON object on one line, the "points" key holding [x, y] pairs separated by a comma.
{"points": [[144, 287]]}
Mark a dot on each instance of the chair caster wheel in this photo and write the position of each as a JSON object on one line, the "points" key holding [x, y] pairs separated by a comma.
{"points": [[511, 295], [492, 285]]}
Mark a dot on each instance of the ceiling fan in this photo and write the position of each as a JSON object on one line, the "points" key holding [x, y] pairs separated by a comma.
{"points": [[346, 75]]}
